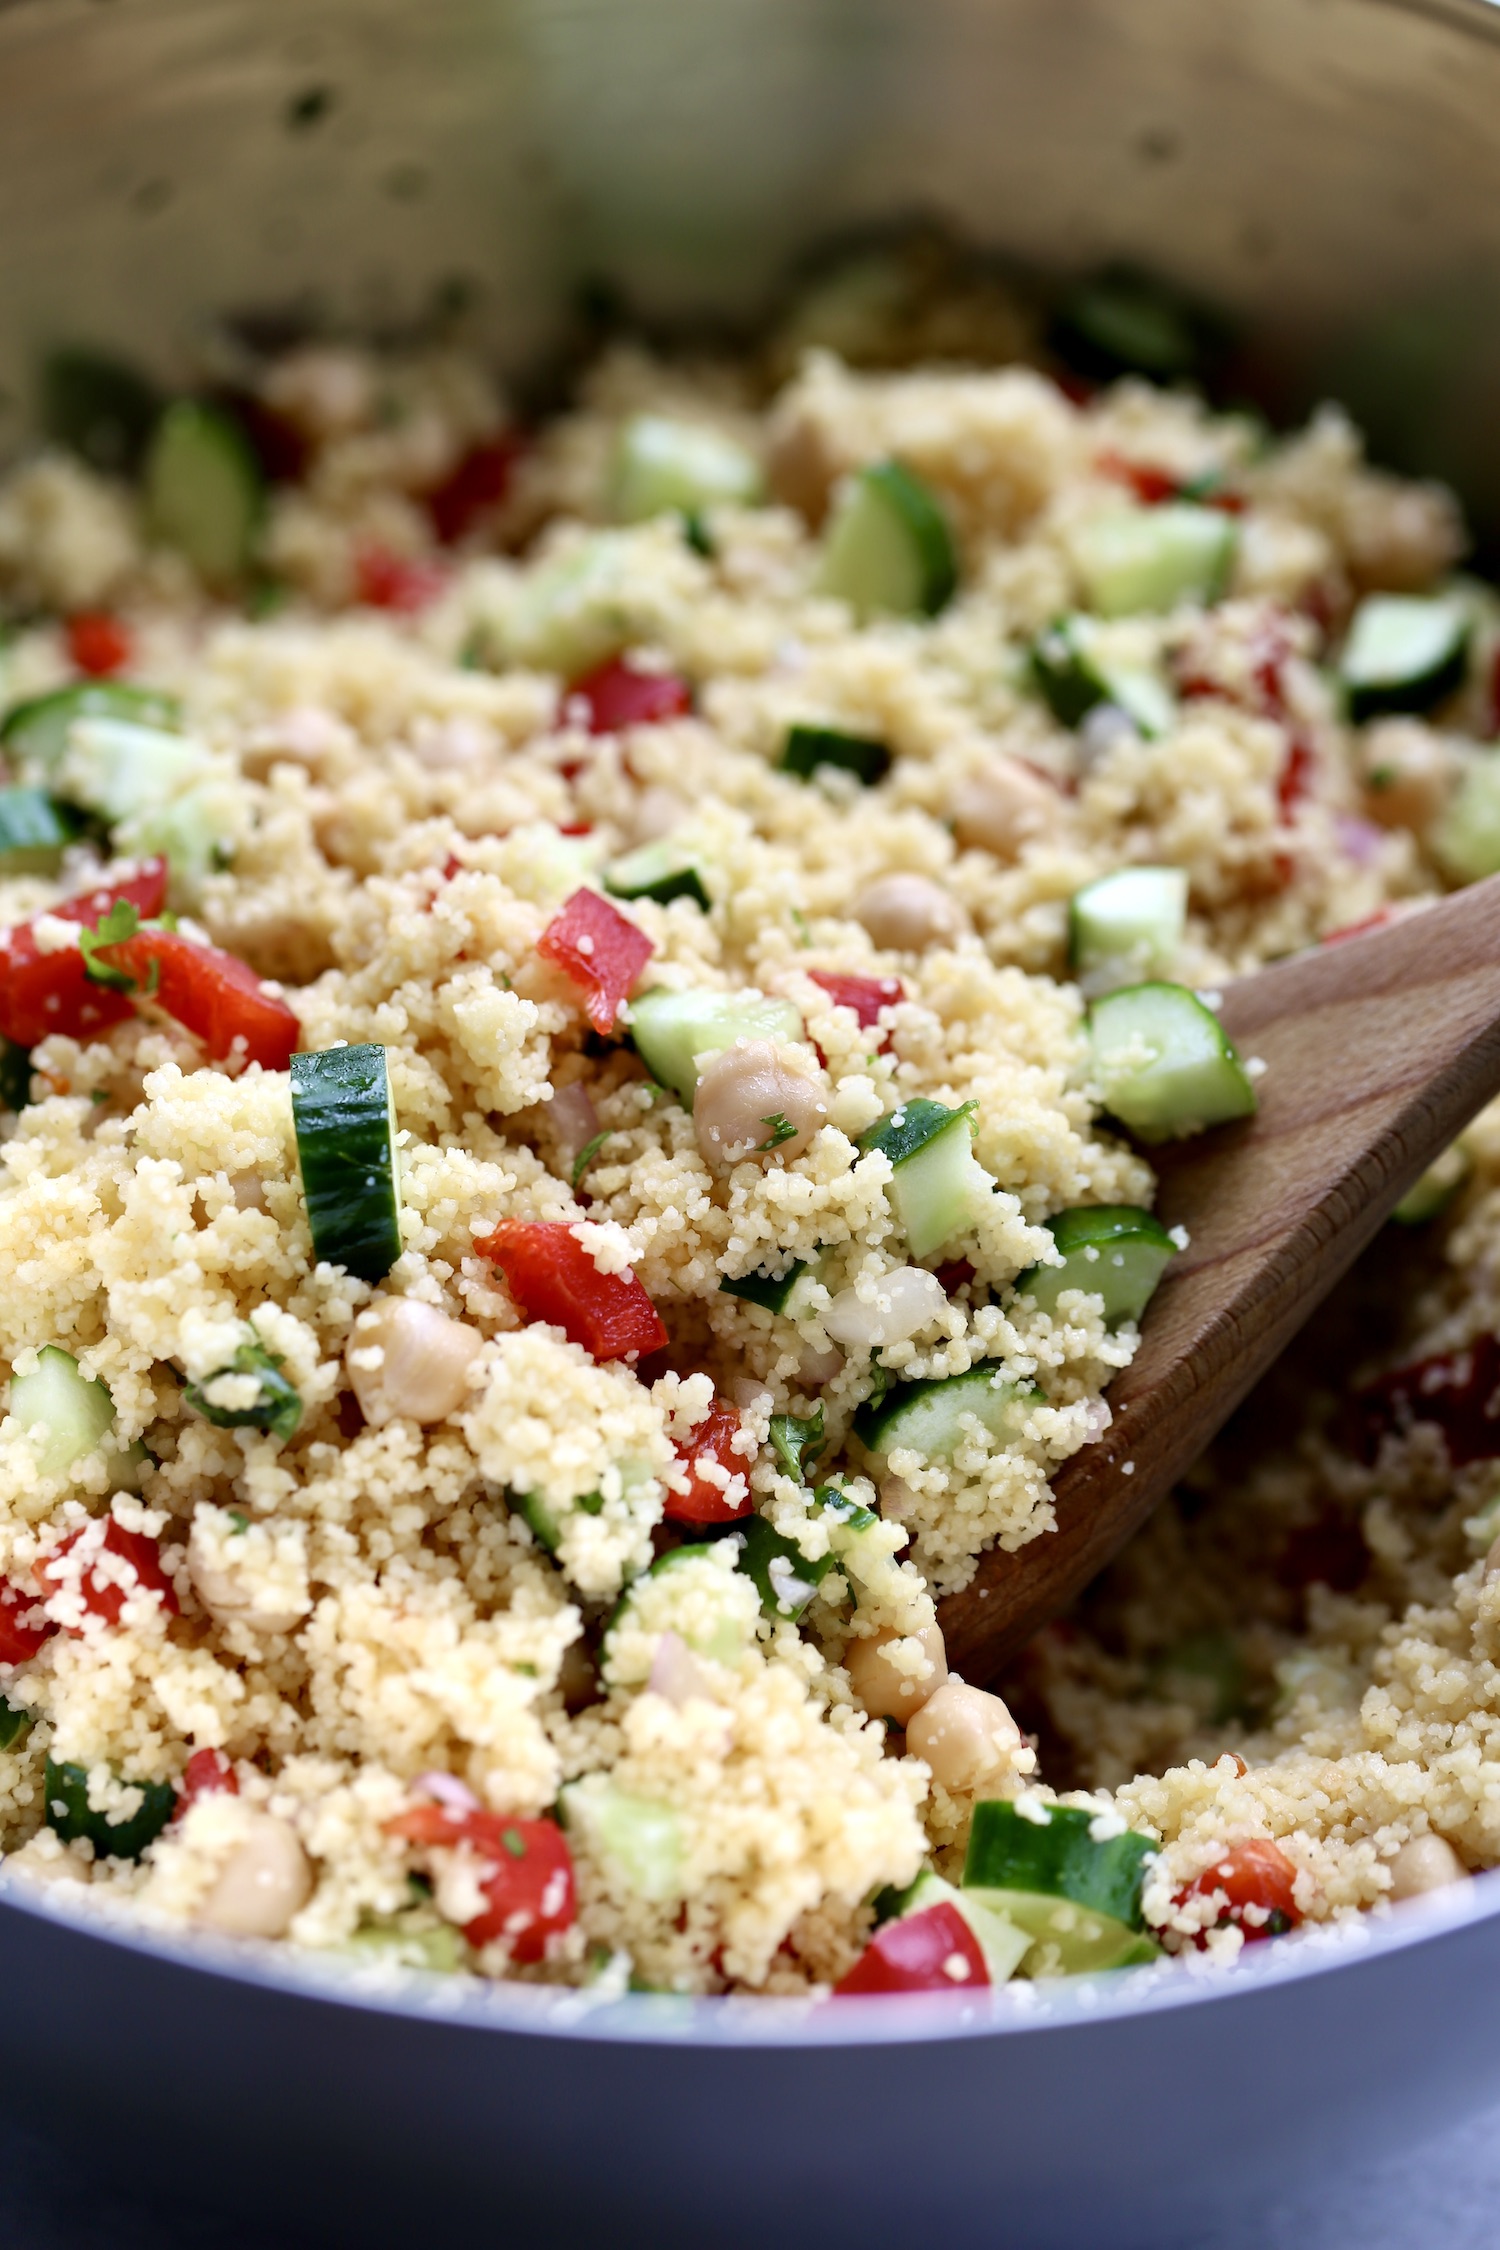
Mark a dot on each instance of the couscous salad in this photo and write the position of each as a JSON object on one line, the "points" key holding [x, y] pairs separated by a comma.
{"points": [[585, 1011]]}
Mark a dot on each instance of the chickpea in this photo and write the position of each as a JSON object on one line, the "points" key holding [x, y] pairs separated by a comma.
{"points": [[1425, 1863], [885, 1691], [407, 1358], [249, 1192], [1409, 774], [236, 1577], [265, 1881], [745, 1094], [906, 1300], [906, 913], [1003, 805], [965, 1736]]}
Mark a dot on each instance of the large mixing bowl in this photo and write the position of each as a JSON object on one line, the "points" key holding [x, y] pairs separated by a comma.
{"points": [[1327, 169]]}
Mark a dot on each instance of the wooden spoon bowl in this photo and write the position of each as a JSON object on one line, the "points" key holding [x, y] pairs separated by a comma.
{"points": [[1378, 1051]]}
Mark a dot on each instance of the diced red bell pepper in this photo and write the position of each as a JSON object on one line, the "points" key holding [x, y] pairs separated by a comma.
{"points": [[23, 1625], [45, 992], [619, 694], [706, 1501], [934, 1951], [1296, 778], [865, 995], [396, 582], [1458, 1392], [529, 1885], [553, 1278], [120, 1565], [206, 1773], [954, 1273], [1257, 1875], [210, 994], [98, 644], [601, 949], [480, 482], [1150, 485]]}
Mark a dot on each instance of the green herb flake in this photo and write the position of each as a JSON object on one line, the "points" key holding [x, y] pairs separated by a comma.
{"points": [[792, 1439], [781, 1129], [514, 1842], [277, 1408], [586, 1155], [239, 1521], [121, 922]]}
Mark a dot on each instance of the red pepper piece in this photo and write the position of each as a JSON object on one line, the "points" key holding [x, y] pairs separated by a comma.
{"points": [[396, 582], [45, 992], [619, 694], [601, 950], [1150, 485], [934, 1951], [120, 1565], [706, 1501], [23, 1625], [1258, 1875], [206, 1772], [955, 1273], [529, 1884], [1458, 1392], [865, 995], [552, 1277], [98, 644], [210, 994], [479, 483], [1296, 778]]}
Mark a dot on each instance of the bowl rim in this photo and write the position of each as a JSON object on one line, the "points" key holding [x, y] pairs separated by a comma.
{"points": [[747, 2021]]}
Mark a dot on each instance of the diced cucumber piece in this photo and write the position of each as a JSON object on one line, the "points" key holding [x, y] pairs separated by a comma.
{"points": [[1112, 1250], [1126, 928], [640, 1843], [769, 1291], [928, 1416], [71, 1816], [888, 549], [345, 1123], [546, 866], [781, 1574], [1404, 652], [662, 871], [1164, 1063], [275, 1406], [439, 1950], [796, 1441], [117, 767], [100, 407], [66, 1415], [1002, 1942], [1134, 561], [34, 829], [575, 609], [1437, 1187], [1074, 670], [936, 1186], [661, 464], [1051, 1875], [539, 1518], [204, 490], [1465, 839], [693, 1591], [189, 832], [807, 748], [671, 1029], [15, 1075], [13, 1722], [35, 733]]}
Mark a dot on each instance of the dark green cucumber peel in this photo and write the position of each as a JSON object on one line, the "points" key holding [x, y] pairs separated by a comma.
{"points": [[344, 1118], [911, 1128], [71, 1816], [36, 730], [13, 1722], [807, 748], [99, 407], [277, 1409], [1060, 1857], [769, 1291], [1114, 1230], [34, 828], [15, 1075], [782, 1575]]}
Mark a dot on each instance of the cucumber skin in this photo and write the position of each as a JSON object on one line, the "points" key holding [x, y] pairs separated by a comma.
{"points": [[68, 1785], [807, 748], [37, 729], [658, 1017], [342, 1111], [1373, 698], [885, 502], [1235, 1097], [921, 1122], [1093, 1226], [189, 440], [760, 1289], [1059, 1857], [33, 830], [76, 1410]]}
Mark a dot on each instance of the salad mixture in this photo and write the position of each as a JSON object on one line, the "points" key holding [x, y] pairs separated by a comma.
{"points": [[585, 1010]]}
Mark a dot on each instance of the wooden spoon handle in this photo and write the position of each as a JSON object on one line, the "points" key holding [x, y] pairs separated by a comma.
{"points": [[1378, 1052]]}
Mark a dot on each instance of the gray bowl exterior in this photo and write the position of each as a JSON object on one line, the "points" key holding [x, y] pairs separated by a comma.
{"points": [[1328, 169]]}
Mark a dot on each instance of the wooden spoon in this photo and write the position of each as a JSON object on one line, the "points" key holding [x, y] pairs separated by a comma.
{"points": [[1378, 1051]]}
